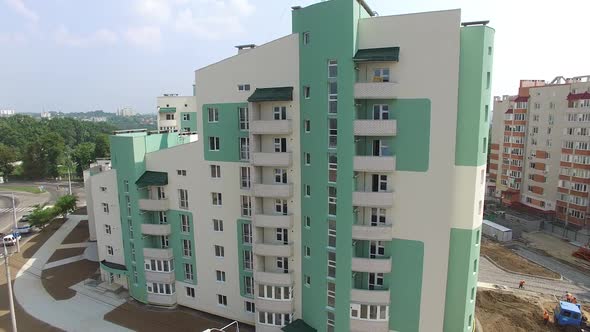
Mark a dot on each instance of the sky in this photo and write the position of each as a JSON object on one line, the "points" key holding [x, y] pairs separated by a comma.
{"points": [[81, 55]]}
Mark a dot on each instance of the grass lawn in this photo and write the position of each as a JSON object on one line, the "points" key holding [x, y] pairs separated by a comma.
{"points": [[28, 189]]}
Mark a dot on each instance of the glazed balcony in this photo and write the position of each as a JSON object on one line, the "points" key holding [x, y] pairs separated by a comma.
{"points": [[147, 204], [372, 233], [161, 277], [375, 127], [372, 199], [373, 265], [273, 220], [273, 250], [272, 190], [271, 159], [370, 296], [271, 127], [374, 164], [278, 306]]}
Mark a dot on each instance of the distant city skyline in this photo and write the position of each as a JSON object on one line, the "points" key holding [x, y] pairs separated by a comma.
{"points": [[74, 56]]}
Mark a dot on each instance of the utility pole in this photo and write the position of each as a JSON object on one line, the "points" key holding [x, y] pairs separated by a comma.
{"points": [[9, 283], [69, 178], [15, 225]]}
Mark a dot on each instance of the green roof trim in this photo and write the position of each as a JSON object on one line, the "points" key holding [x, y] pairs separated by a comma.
{"points": [[378, 54], [113, 267], [272, 94], [150, 178], [167, 110], [298, 325]]}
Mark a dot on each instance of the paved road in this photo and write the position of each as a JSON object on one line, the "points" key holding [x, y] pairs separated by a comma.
{"points": [[489, 273], [565, 270]]}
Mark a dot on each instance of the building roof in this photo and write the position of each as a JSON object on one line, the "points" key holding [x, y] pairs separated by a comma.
{"points": [[272, 94], [167, 110], [298, 325], [521, 99], [578, 96], [150, 178], [569, 306], [378, 54], [509, 111], [496, 226]]}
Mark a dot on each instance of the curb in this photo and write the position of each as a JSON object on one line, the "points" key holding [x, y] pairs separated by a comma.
{"points": [[522, 274]]}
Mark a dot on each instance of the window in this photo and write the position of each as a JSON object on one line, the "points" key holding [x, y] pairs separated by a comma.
{"points": [[246, 206], [307, 251], [243, 87], [185, 225], [280, 175], [156, 265], [103, 189], [245, 177], [248, 285], [486, 113], [248, 260], [489, 50], [306, 92], [126, 185], [110, 250], [249, 307], [307, 280], [307, 190], [306, 39], [274, 292], [332, 97], [187, 248], [107, 229], [332, 68], [331, 294], [279, 113], [280, 144], [375, 280], [183, 198], [105, 208], [274, 319], [475, 265], [216, 199], [247, 233], [378, 217], [369, 311], [190, 291], [128, 205], [488, 80], [222, 300], [307, 126], [484, 147], [159, 288], [281, 207], [380, 112], [330, 322], [186, 117], [332, 233], [282, 235], [472, 293], [213, 143], [244, 148], [308, 222], [215, 171], [219, 251], [220, 276], [169, 116], [331, 264], [332, 167], [381, 75], [283, 264], [307, 159], [332, 198], [181, 172], [332, 133], [218, 225], [213, 114], [189, 272]]}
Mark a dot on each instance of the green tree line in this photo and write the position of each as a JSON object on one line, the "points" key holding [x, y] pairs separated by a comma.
{"points": [[47, 146]]}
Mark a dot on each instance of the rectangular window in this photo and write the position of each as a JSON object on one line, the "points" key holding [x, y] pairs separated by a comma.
{"points": [[332, 198], [332, 233], [248, 285], [331, 294], [281, 207], [246, 202], [307, 190], [332, 133], [160, 288], [307, 126], [330, 322], [217, 225], [332, 97], [190, 291], [244, 148], [220, 276], [249, 307], [162, 217], [307, 251], [187, 248], [279, 112], [243, 118], [282, 235], [159, 265], [216, 199], [189, 273], [247, 233], [332, 68], [110, 250], [103, 189], [486, 113], [475, 265], [245, 177], [164, 241], [107, 229], [169, 116], [213, 143], [307, 159], [331, 264], [248, 259], [181, 172], [185, 225], [219, 251], [332, 167], [307, 92], [186, 117], [280, 144], [183, 198], [274, 292], [280, 175], [105, 208], [484, 147], [381, 112], [308, 222], [381, 75], [369, 312], [222, 300], [126, 185], [488, 80], [306, 38], [243, 87], [215, 171], [213, 114]]}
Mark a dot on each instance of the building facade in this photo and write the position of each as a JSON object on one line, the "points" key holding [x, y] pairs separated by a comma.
{"points": [[298, 197], [177, 113], [540, 147]]}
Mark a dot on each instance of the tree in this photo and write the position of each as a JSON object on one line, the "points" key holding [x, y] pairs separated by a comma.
{"points": [[83, 155], [101, 147], [40, 217], [65, 204], [43, 156], [7, 157]]}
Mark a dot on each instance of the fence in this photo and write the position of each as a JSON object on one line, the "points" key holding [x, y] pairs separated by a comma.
{"points": [[568, 233]]}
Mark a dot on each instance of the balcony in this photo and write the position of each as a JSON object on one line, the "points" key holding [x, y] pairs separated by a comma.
{"points": [[274, 159], [163, 254], [372, 199], [375, 127], [272, 190], [369, 296], [279, 306], [162, 277], [374, 265], [273, 221], [153, 204], [156, 229], [167, 123], [362, 325], [160, 299], [273, 250], [272, 278], [375, 233], [272, 127], [375, 90], [374, 164]]}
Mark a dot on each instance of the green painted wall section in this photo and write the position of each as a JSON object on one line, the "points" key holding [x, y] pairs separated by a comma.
{"points": [[175, 241], [128, 158], [461, 279], [407, 258], [191, 123], [333, 41], [227, 129], [242, 247], [475, 70]]}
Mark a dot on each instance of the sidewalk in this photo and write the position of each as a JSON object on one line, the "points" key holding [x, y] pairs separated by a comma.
{"points": [[80, 313]]}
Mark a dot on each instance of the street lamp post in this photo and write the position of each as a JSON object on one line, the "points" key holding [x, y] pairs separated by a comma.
{"points": [[214, 329], [9, 283], [15, 224]]}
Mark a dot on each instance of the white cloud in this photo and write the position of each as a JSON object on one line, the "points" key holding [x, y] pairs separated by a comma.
{"points": [[158, 10], [146, 36], [12, 38], [20, 7], [98, 38]]}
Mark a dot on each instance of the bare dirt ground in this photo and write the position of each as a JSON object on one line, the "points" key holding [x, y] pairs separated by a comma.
{"points": [[60, 254], [81, 211], [139, 317], [505, 258], [79, 233], [556, 247]]}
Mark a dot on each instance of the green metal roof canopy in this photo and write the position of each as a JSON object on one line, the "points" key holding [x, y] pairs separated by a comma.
{"points": [[272, 94], [167, 110], [150, 178], [298, 325], [378, 54]]}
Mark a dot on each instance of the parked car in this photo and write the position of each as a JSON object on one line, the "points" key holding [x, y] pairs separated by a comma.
{"points": [[10, 239], [24, 227]]}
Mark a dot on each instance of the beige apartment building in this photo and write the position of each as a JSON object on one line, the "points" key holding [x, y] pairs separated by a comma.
{"points": [[540, 148]]}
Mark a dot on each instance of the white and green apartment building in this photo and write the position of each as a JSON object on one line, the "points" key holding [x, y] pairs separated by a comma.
{"points": [[329, 180]]}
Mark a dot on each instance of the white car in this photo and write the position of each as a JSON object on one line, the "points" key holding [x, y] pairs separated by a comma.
{"points": [[10, 239]]}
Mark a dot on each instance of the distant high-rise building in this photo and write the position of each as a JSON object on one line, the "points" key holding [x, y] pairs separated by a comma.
{"points": [[46, 115], [7, 113], [125, 111]]}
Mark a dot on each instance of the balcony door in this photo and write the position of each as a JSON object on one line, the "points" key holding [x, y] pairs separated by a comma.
{"points": [[283, 264], [375, 280], [379, 183], [377, 249], [160, 193], [283, 235], [380, 149]]}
